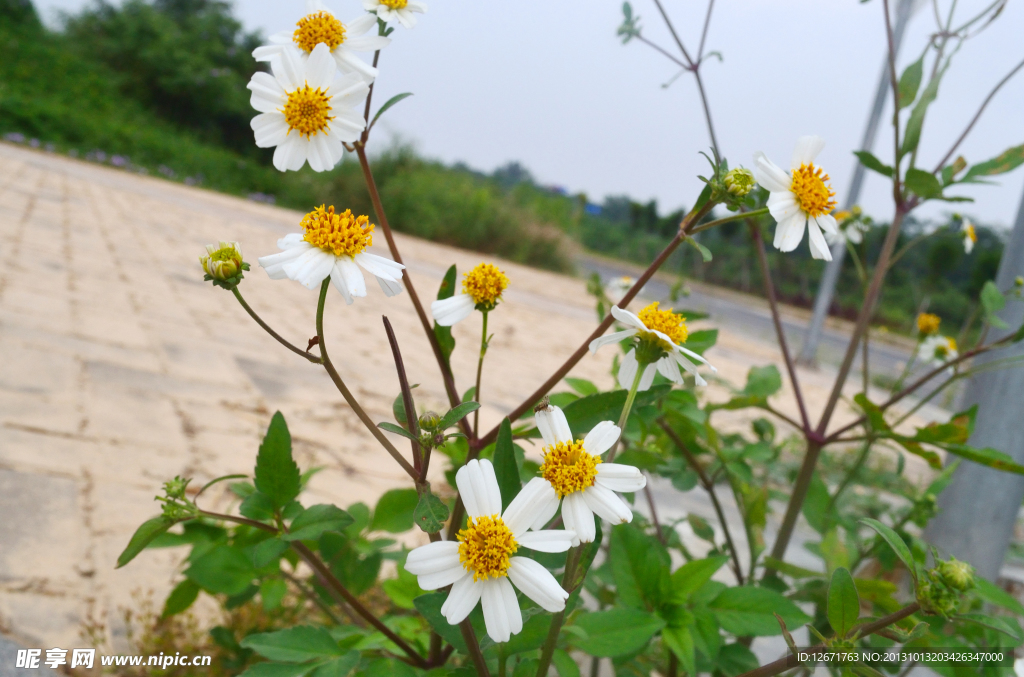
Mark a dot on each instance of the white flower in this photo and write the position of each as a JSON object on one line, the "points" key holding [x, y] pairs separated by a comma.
{"points": [[573, 473], [970, 236], [662, 327], [481, 288], [396, 10], [333, 244], [343, 39], [937, 350], [800, 198], [480, 566], [304, 111], [616, 289], [849, 229]]}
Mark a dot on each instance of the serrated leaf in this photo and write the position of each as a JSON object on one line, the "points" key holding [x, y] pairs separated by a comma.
{"points": [[397, 429], [277, 670], [910, 81], [505, 468], [394, 511], [257, 506], [444, 334], [181, 598], [582, 386], [565, 664], [431, 513], [267, 552], [389, 103], [272, 592], [701, 340], [586, 412], [692, 575], [992, 300], [990, 592], [429, 606], [222, 569], [294, 645], [912, 134], [923, 183], [873, 163], [143, 536], [763, 382], [1006, 161], [993, 458], [277, 475], [843, 602], [748, 610], [705, 253], [457, 414], [680, 641], [339, 667], [617, 632], [895, 542], [316, 520]]}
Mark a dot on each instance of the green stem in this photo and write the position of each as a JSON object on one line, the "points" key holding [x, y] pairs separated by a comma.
{"points": [[502, 661], [473, 646], [861, 458], [727, 219], [641, 367], [572, 563], [266, 327], [479, 374], [347, 394]]}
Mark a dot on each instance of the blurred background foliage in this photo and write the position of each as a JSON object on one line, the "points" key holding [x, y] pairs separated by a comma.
{"points": [[158, 87]]}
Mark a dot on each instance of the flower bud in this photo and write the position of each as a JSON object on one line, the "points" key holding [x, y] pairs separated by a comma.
{"points": [[928, 323], [429, 420], [175, 489], [224, 265], [956, 574], [1019, 281], [739, 181]]}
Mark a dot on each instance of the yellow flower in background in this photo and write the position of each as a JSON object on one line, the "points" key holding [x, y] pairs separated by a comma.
{"points": [[928, 324], [970, 236], [396, 10]]}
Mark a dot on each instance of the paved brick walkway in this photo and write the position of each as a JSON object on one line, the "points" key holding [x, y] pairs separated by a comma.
{"points": [[120, 368]]}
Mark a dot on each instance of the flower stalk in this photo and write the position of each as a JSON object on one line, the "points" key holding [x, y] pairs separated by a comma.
{"points": [[479, 372], [266, 327]]}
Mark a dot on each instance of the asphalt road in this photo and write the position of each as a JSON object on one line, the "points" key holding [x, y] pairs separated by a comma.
{"points": [[756, 322]]}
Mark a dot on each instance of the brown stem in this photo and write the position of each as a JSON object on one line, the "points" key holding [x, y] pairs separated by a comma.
{"points": [[378, 207], [796, 501], [569, 576], [654, 512], [783, 664], [266, 327], [684, 229], [240, 520], [469, 636], [704, 32], [775, 412], [773, 302], [435, 649], [315, 599], [709, 486], [410, 407], [330, 581]]}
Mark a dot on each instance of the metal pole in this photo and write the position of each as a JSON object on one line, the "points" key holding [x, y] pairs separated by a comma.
{"points": [[826, 289], [978, 511]]}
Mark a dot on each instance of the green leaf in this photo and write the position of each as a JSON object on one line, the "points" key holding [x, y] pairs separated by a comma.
{"points": [[257, 506], [315, 520], [277, 670], [680, 641], [181, 598], [1007, 161], [923, 183], [444, 334], [505, 467], [388, 104], [403, 590], [993, 458], [272, 592], [735, 659], [339, 667], [895, 542], [431, 513], [429, 606], [912, 134], [703, 198], [276, 473], [692, 575], [999, 624], [705, 253], [532, 636], [701, 340], [587, 412], [992, 300], [457, 414], [815, 504], [910, 81], [397, 429], [294, 645], [222, 569], [626, 584], [143, 536], [565, 664], [763, 382], [618, 632], [843, 602], [751, 611], [582, 386], [873, 163], [990, 592], [394, 511]]}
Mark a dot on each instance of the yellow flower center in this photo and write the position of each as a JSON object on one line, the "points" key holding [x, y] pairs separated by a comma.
{"points": [[484, 547], [928, 323], [970, 233], [316, 28], [340, 234], [568, 467], [307, 111], [667, 322], [395, 4], [813, 194], [485, 283]]}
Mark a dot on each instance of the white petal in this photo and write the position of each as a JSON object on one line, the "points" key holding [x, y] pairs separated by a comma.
{"points": [[354, 280], [648, 378], [627, 318], [349, 62], [290, 153], [274, 263], [320, 67], [320, 156], [627, 370], [288, 69], [537, 583], [311, 268], [601, 438], [782, 205], [406, 18], [266, 52], [607, 505], [611, 338], [462, 599], [819, 248], [788, 234], [668, 368], [361, 24], [390, 288], [502, 615], [807, 149], [690, 367], [827, 223], [769, 175], [479, 489], [416, 6], [338, 280], [267, 94], [553, 426], [271, 129], [367, 43], [699, 358], [380, 266], [450, 311], [619, 477], [313, 6], [530, 505], [293, 240], [348, 90], [433, 557], [581, 517], [547, 540]]}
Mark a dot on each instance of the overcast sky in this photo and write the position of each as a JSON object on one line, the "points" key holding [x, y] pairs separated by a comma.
{"points": [[547, 83]]}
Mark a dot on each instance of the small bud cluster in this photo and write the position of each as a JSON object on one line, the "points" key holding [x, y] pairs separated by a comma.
{"points": [[223, 264], [175, 505], [940, 593]]}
